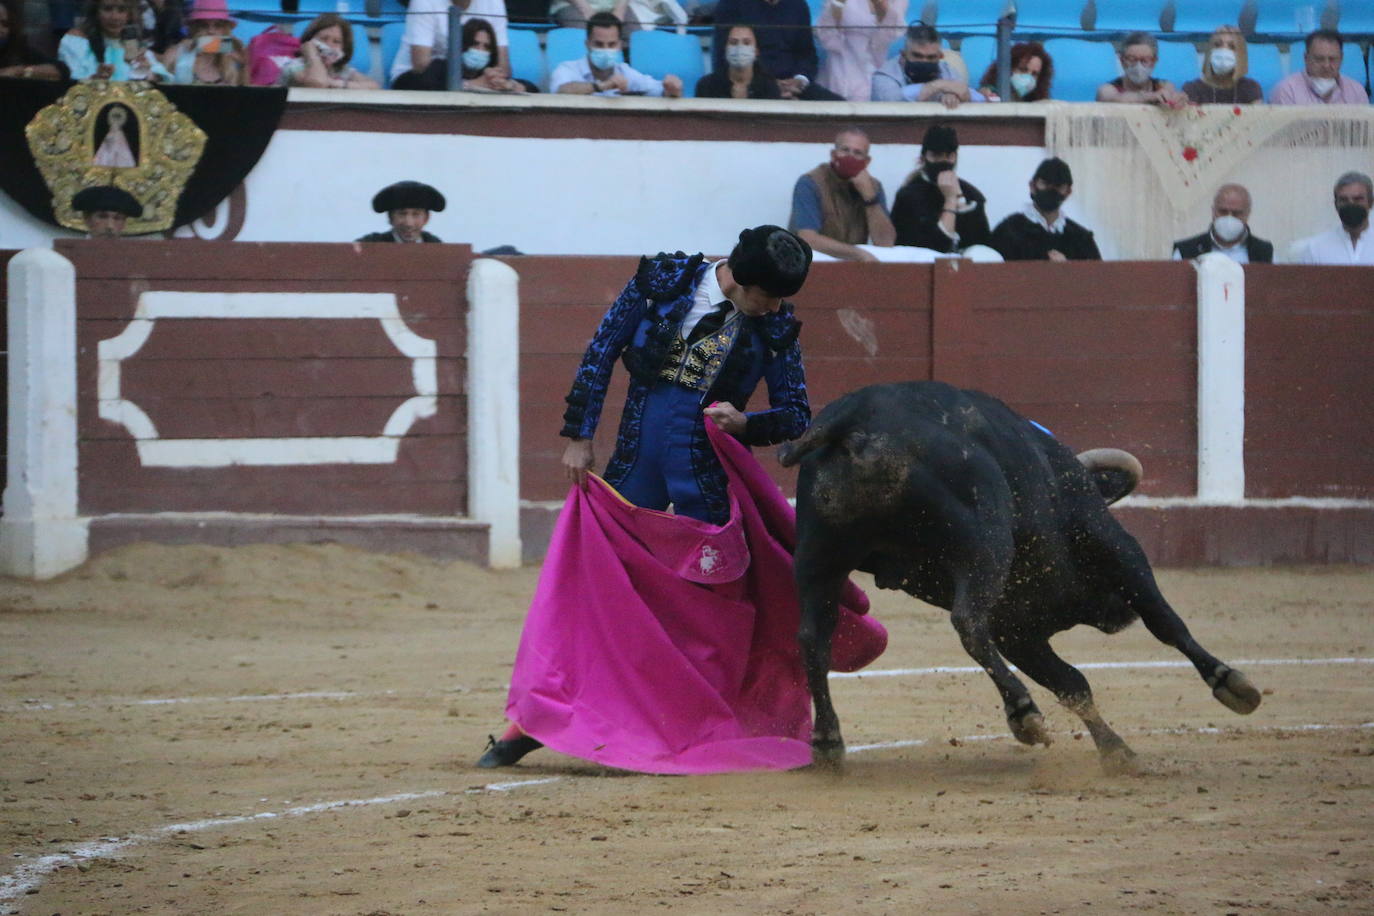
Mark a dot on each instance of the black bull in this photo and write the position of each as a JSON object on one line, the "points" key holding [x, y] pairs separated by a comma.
{"points": [[954, 498]]}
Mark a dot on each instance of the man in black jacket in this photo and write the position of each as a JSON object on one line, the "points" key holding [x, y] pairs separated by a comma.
{"points": [[407, 205], [1041, 232], [936, 208], [1229, 232]]}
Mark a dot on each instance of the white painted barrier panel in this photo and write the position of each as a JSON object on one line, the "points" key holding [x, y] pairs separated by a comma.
{"points": [[1220, 379], [494, 407]]}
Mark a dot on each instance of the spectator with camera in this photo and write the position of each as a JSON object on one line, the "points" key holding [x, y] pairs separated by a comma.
{"points": [[108, 45], [322, 62], [210, 55]]}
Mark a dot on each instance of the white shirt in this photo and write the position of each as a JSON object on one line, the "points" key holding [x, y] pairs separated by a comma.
{"points": [[1335, 247], [705, 300], [1038, 218], [580, 71], [427, 27]]}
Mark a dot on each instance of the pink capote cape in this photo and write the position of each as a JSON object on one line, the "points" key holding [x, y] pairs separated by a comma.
{"points": [[663, 644]]}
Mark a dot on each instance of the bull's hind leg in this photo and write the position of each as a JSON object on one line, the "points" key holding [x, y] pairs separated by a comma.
{"points": [[1042, 665], [1137, 586], [819, 585]]}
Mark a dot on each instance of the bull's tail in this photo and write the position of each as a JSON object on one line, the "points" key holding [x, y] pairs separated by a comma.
{"points": [[824, 431]]}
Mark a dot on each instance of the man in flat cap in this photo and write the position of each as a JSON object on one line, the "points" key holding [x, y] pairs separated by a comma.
{"points": [[697, 337], [106, 209], [407, 205], [1041, 232], [936, 208]]}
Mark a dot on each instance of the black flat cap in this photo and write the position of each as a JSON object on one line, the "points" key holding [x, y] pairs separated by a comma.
{"points": [[771, 258], [406, 195], [1054, 171], [940, 138], [106, 197]]}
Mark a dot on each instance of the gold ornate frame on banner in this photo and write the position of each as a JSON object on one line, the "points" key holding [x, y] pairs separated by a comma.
{"points": [[68, 140]]}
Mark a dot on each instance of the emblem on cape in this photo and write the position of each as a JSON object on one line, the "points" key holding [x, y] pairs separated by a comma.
{"points": [[125, 134]]}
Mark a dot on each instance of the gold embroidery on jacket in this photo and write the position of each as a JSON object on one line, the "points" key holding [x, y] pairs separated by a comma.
{"points": [[696, 365]]}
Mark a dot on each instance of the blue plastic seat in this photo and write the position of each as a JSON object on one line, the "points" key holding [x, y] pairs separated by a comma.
{"points": [[978, 51], [1265, 66], [1052, 17], [966, 17], [660, 52], [1205, 16], [1080, 67], [564, 44], [391, 46], [1129, 15], [526, 57], [254, 6], [1277, 20], [1357, 17], [1353, 65], [1178, 62]]}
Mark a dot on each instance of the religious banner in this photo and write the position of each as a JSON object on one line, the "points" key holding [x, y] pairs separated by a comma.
{"points": [[179, 150]]}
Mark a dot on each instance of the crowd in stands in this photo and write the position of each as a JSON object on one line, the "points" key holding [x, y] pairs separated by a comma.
{"points": [[854, 50]]}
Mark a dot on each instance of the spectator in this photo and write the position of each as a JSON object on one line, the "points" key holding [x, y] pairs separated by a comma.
{"points": [[1139, 54], [1032, 71], [838, 205], [1229, 233], [937, 209], [18, 57], [1320, 82], [1351, 243], [1223, 78], [919, 73], [786, 50], [1041, 232], [744, 78], [407, 205], [106, 210], [269, 51], [322, 62], [633, 13], [603, 70], [425, 41], [480, 70], [107, 45], [856, 37], [210, 55], [163, 23]]}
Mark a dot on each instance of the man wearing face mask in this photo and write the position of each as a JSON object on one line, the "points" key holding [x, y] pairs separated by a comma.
{"points": [[1351, 243], [920, 74], [838, 205], [1229, 233], [1041, 232], [407, 205], [1320, 82], [603, 70], [1137, 85], [936, 209]]}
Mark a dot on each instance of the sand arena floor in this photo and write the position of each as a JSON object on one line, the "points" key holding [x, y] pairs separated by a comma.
{"points": [[292, 730]]}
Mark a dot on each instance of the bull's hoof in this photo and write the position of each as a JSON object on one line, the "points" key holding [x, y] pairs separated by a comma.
{"points": [[1234, 690], [827, 754], [1119, 761], [1030, 729]]}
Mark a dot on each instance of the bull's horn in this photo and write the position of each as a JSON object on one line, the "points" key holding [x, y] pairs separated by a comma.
{"points": [[1107, 467]]}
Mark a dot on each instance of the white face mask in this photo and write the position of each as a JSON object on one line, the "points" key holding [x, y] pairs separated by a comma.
{"points": [[1223, 61], [1228, 228], [1138, 74], [1022, 83], [740, 56], [1323, 86]]}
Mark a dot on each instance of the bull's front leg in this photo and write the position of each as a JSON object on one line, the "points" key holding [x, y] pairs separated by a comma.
{"points": [[820, 610]]}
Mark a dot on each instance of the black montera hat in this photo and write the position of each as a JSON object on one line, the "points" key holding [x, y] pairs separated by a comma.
{"points": [[405, 195], [771, 258], [940, 138], [1054, 171], [106, 197]]}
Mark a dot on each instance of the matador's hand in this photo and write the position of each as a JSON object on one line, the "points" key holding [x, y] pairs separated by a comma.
{"points": [[578, 459], [726, 417]]}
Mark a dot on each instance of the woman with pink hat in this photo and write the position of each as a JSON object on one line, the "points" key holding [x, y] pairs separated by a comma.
{"points": [[210, 55]]}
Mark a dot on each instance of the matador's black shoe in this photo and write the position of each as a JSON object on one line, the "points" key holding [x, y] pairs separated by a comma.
{"points": [[506, 753]]}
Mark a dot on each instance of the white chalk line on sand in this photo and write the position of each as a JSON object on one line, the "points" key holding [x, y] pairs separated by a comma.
{"points": [[37, 705], [30, 875]]}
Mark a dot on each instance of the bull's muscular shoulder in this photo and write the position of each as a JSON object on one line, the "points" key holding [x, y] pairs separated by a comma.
{"points": [[667, 276]]}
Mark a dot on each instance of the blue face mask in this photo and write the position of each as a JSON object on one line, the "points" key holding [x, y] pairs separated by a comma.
{"points": [[476, 59], [605, 58]]}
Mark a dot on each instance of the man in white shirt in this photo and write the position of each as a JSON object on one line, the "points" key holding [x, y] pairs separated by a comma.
{"points": [[426, 39], [603, 70], [1351, 244]]}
